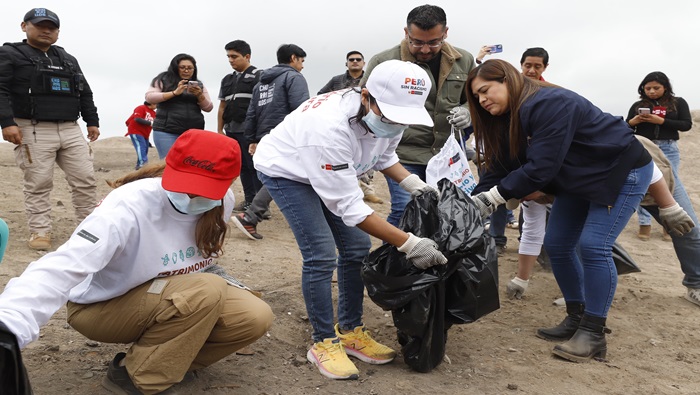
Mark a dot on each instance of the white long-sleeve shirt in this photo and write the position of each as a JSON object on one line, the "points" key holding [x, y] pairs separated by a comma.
{"points": [[317, 145], [133, 236]]}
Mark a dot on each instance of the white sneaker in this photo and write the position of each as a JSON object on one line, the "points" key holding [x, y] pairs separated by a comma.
{"points": [[693, 295]]}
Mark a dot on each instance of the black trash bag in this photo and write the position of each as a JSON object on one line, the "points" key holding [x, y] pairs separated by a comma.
{"points": [[623, 261], [425, 303], [13, 375]]}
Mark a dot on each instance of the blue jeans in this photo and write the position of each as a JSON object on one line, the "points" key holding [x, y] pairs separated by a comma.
{"points": [[141, 146], [673, 154], [591, 277], [497, 229], [163, 141], [318, 233], [497, 224], [687, 247], [399, 197]]}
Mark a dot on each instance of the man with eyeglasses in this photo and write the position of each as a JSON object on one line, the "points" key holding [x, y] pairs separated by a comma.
{"points": [[42, 94], [447, 66], [355, 62]]}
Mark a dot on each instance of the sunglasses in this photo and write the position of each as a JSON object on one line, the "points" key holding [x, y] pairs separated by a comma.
{"points": [[354, 59]]}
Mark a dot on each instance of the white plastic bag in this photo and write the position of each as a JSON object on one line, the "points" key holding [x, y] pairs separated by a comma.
{"points": [[451, 163]]}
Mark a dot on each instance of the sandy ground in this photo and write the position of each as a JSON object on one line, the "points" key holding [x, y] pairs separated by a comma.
{"points": [[653, 348]]}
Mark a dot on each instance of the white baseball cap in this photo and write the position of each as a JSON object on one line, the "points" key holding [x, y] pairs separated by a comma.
{"points": [[401, 89]]}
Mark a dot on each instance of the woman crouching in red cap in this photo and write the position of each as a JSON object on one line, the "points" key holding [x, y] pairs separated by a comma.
{"points": [[140, 269]]}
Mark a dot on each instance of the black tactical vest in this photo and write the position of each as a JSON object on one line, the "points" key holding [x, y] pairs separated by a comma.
{"points": [[54, 90]]}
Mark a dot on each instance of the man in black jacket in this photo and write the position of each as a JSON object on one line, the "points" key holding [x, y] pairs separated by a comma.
{"points": [[355, 63], [234, 98], [280, 91], [42, 94]]}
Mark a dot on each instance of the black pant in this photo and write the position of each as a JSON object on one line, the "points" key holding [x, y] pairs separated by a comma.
{"points": [[249, 178]]}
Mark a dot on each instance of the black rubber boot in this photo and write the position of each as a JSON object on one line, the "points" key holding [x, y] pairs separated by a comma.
{"points": [[567, 328], [588, 341]]}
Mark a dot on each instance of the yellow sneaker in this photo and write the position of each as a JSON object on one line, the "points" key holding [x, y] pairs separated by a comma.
{"points": [[359, 344], [331, 360]]}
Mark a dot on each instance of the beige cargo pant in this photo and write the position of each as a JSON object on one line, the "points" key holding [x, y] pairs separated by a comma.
{"points": [[196, 320], [43, 145]]}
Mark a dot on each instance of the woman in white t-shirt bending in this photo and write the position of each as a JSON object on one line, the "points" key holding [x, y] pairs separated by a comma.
{"points": [[140, 269], [310, 164]]}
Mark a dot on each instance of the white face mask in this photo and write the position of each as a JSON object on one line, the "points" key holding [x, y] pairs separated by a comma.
{"points": [[192, 206], [382, 129]]}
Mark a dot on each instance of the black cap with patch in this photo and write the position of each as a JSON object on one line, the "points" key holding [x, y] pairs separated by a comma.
{"points": [[36, 15]]}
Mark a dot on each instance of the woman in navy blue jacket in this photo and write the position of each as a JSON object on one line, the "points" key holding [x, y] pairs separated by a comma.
{"points": [[538, 141]]}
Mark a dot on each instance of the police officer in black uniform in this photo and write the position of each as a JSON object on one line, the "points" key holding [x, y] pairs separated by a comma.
{"points": [[234, 97], [42, 95]]}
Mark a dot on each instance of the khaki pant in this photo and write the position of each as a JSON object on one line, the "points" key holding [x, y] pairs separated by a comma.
{"points": [[43, 145], [195, 321]]}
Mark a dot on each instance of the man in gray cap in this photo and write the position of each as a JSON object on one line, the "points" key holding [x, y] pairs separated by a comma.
{"points": [[42, 94]]}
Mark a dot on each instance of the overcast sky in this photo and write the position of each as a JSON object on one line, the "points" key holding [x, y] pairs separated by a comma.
{"points": [[600, 49]]}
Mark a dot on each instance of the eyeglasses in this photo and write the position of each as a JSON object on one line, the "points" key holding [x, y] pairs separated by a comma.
{"points": [[431, 44], [354, 59], [186, 68]]}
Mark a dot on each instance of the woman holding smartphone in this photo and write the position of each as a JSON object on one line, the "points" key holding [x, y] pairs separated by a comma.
{"points": [[537, 139], [659, 115], [181, 98]]}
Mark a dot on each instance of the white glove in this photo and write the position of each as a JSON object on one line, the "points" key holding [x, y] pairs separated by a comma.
{"points": [[487, 202], [516, 288], [422, 253], [676, 221], [415, 186], [460, 118], [470, 153]]}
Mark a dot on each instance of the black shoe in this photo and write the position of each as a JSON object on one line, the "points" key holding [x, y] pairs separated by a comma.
{"points": [[566, 329], [118, 380], [501, 250], [246, 227], [241, 207], [588, 342], [267, 214]]}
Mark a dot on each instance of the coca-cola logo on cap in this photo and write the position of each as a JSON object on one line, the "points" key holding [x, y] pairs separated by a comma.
{"points": [[200, 164]]}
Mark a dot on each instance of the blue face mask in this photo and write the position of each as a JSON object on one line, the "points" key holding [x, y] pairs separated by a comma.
{"points": [[191, 206], [382, 129]]}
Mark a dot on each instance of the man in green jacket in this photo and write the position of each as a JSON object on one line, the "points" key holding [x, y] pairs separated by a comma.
{"points": [[448, 66]]}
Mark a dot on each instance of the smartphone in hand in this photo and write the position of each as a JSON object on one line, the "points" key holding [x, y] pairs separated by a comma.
{"points": [[643, 111], [496, 48]]}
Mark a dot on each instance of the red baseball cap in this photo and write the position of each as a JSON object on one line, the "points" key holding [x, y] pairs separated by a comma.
{"points": [[202, 163]]}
